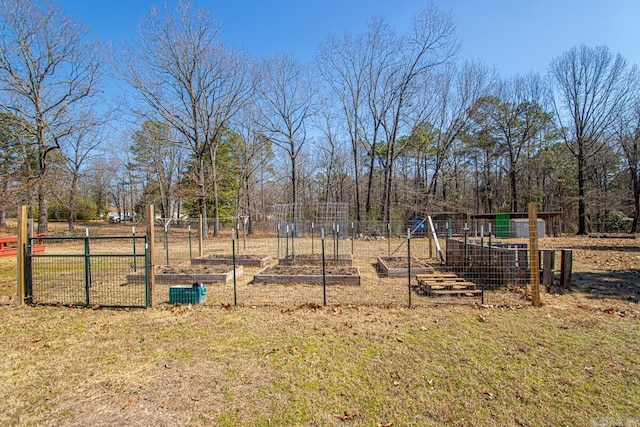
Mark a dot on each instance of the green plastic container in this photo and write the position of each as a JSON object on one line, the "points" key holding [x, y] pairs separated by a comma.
{"points": [[502, 225], [188, 294]]}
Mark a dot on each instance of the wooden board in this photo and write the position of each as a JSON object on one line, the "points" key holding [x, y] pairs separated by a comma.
{"points": [[261, 261], [187, 278], [266, 276]]}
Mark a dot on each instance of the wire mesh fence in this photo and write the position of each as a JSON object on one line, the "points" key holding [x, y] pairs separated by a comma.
{"points": [[89, 271], [367, 263]]}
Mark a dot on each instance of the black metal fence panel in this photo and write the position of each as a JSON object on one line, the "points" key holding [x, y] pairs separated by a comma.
{"points": [[90, 271]]}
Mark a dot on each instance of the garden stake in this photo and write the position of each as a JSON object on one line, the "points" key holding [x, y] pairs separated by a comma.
{"points": [[337, 240], [324, 277], [352, 239], [286, 252], [87, 266], [409, 262], [233, 256], [189, 236], [133, 231]]}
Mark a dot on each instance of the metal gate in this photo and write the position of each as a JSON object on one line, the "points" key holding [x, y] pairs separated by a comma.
{"points": [[110, 271]]}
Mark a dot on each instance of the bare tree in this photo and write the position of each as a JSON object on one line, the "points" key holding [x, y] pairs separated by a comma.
{"points": [[447, 108], [627, 134], [343, 63], [15, 163], [47, 71], [157, 155], [80, 148], [514, 118], [591, 92], [286, 98], [396, 73], [190, 80], [254, 153]]}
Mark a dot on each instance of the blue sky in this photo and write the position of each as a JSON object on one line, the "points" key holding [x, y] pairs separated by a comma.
{"points": [[515, 36]]}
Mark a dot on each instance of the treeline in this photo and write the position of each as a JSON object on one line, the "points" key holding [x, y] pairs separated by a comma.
{"points": [[389, 121]]}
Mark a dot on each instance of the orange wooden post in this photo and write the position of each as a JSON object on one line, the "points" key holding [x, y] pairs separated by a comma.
{"points": [[534, 268]]}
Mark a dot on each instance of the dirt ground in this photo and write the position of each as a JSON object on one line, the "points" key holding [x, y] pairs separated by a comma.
{"points": [[602, 268]]}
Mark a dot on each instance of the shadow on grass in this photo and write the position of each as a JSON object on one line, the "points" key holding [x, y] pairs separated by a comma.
{"points": [[621, 284]]}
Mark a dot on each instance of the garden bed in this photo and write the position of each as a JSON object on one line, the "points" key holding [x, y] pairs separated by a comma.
{"points": [[248, 260], [189, 274], [316, 259], [398, 266], [335, 275]]}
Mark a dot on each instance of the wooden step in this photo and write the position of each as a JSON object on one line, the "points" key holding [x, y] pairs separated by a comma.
{"points": [[455, 285], [436, 276], [447, 280], [461, 292]]}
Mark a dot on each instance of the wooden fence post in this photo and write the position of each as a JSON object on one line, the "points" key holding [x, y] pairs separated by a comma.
{"points": [[566, 262], [548, 261], [21, 254], [534, 268]]}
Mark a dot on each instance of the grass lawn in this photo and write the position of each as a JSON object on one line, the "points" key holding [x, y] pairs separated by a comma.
{"points": [[556, 365], [575, 361]]}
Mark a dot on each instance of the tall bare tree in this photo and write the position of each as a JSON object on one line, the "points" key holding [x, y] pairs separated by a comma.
{"points": [[48, 70], [254, 152], [343, 63], [627, 134], [447, 107], [515, 117], [397, 70], [16, 158], [190, 80], [157, 155], [286, 98], [81, 148], [591, 92]]}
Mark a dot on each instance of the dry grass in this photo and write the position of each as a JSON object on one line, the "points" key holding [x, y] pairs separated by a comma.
{"points": [[319, 366], [575, 361]]}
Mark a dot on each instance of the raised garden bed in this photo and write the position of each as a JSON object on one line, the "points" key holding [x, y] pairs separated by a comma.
{"points": [[248, 260], [398, 266], [189, 274], [316, 259], [334, 275]]}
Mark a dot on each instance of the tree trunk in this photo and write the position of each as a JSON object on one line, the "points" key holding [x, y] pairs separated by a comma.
{"points": [[636, 203], [43, 224], [294, 193], [356, 174], [72, 205], [370, 180], [514, 189], [582, 208], [213, 153], [202, 198]]}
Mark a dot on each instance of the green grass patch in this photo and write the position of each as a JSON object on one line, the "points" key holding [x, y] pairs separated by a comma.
{"points": [[356, 367]]}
